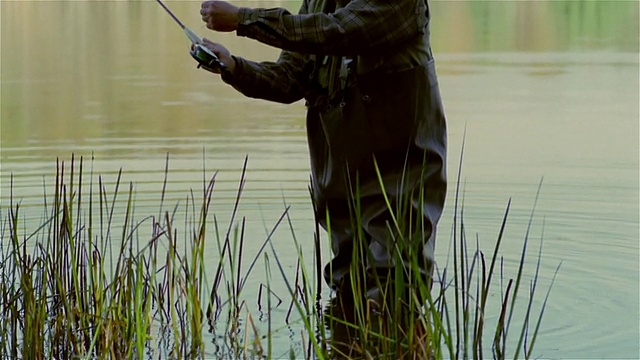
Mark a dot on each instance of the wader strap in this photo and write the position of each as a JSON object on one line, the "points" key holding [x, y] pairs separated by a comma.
{"points": [[318, 61], [345, 71]]}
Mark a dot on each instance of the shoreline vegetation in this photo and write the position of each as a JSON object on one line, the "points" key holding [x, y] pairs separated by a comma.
{"points": [[90, 282]]}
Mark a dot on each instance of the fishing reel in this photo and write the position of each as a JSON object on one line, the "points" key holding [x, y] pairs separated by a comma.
{"points": [[207, 59], [203, 55]]}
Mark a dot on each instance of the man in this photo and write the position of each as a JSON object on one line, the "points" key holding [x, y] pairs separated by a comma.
{"points": [[366, 72]]}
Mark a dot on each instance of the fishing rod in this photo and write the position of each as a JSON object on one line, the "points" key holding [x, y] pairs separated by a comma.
{"points": [[202, 54]]}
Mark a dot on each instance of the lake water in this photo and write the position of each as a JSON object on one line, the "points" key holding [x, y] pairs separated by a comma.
{"points": [[542, 89]]}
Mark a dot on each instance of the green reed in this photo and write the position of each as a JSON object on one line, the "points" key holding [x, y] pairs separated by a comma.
{"points": [[93, 280], [87, 283]]}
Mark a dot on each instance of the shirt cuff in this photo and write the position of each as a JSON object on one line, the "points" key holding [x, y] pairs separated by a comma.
{"points": [[246, 16], [239, 75]]}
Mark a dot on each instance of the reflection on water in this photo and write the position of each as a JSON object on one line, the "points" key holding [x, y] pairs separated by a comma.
{"points": [[542, 89]]}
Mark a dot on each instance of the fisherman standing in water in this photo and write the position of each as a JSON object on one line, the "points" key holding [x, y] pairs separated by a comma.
{"points": [[367, 74]]}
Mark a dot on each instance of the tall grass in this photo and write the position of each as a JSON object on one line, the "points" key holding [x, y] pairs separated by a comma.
{"points": [[94, 280]]}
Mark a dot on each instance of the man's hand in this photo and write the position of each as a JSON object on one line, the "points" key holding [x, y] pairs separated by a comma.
{"points": [[219, 15], [222, 53]]}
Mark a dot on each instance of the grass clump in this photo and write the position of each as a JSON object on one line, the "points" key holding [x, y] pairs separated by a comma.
{"points": [[93, 281]]}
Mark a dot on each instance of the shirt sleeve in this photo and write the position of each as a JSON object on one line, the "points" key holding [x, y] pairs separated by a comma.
{"points": [[282, 81], [359, 27]]}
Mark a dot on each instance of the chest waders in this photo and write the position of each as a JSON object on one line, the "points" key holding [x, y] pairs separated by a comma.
{"points": [[388, 121]]}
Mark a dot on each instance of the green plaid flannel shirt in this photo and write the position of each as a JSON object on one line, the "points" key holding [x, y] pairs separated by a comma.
{"points": [[361, 26]]}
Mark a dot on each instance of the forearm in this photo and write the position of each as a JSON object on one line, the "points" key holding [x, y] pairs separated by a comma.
{"points": [[283, 81], [361, 26]]}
